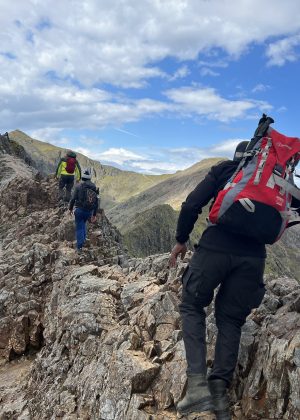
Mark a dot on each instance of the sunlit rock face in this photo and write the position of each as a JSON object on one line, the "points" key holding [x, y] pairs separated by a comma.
{"points": [[98, 335]]}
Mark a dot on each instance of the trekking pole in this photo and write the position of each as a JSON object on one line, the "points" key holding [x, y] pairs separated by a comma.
{"points": [[263, 126]]}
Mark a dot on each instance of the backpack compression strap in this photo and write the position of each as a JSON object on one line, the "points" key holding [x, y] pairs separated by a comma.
{"points": [[286, 186]]}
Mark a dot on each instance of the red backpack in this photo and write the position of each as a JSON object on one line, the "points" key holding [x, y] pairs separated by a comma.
{"points": [[256, 201], [71, 164]]}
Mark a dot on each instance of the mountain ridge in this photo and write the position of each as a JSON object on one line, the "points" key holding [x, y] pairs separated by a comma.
{"points": [[108, 178], [147, 213], [98, 335]]}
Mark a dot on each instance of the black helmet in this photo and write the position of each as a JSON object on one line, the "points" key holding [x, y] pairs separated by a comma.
{"points": [[70, 153]]}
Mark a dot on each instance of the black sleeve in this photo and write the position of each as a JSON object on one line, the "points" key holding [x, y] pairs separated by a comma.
{"points": [[74, 197], [194, 203], [79, 167], [96, 207], [296, 204]]}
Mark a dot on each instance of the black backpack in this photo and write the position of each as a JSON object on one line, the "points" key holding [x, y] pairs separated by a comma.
{"points": [[88, 197]]}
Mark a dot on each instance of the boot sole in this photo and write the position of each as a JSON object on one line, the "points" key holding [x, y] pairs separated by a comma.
{"points": [[202, 405]]}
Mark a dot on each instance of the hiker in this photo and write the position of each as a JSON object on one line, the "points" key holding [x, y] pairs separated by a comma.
{"points": [[67, 170], [86, 201], [224, 258]]}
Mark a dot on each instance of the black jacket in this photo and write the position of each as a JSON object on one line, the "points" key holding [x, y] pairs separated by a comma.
{"points": [[76, 196], [207, 189], [215, 237]]}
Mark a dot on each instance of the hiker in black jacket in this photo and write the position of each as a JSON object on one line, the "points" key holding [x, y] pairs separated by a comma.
{"points": [[221, 258], [86, 201]]}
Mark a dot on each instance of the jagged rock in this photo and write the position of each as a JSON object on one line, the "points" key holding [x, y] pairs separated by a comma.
{"points": [[12, 397], [36, 245], [104, 332]]}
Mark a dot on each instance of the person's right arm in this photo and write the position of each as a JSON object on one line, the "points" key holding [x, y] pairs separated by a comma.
{"points": [[192, 207], [58, 169], [188, 215], [74, 197]]}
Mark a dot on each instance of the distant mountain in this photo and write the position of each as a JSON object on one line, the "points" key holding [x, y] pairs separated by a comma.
{"points": [[172, 191], [145, 207], [116, 185], [151, 231]]}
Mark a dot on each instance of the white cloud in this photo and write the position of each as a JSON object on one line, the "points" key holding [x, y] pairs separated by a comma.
{"points": [[260, 88], [157, 167], [284, 50], [119, 43], [180, 73], [86, 152], [282, 109], [207, 102], [205, 71], [54, 61], [45, 134], [214, 63], [226, 148], [119, 156], [54, 108], [158, 160]]}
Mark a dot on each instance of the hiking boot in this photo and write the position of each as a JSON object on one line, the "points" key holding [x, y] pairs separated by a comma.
{"points": [[197, 397], [218, 390]]}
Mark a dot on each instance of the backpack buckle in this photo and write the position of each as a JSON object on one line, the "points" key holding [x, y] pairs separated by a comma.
{"points": [[278, 170]]}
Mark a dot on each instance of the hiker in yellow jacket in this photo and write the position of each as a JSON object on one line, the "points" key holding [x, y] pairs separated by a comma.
{"points": [[67, 170]]}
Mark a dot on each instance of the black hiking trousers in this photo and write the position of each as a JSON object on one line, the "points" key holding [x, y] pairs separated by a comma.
{"points": [[241, 290], [65, 181]]}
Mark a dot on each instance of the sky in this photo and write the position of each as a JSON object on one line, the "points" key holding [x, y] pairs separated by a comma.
{"points": [[152, 86]]}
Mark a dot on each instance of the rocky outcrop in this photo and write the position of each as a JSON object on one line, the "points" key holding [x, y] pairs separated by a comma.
{"points": [[98, 335], [114, 350], [36, 244]]}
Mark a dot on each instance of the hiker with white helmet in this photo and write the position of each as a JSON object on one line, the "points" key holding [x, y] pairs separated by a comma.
{"points": [[86, 202]]}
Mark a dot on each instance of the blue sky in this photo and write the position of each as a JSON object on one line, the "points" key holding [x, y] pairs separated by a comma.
{"points": [[149, 85]]}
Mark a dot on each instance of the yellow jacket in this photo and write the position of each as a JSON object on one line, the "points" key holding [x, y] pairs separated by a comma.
{"points": [[61, 169]]}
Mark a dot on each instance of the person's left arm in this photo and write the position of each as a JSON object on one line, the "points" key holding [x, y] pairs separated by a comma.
{"points": [[97, 205], [77, 171]]}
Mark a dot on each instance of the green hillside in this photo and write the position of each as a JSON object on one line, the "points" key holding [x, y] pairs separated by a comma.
{"points": [[116, 186], [151, 232], [145, 207], [172, 191]]}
